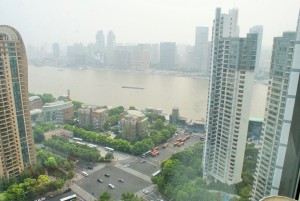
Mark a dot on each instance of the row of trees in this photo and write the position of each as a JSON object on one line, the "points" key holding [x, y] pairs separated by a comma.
{"points": [[101, 139], [159, 133], [106, 196], [30, 189], [73, 150]]}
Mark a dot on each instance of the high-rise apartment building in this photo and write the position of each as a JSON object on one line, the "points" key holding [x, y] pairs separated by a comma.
{"points": [[16, 142], [277, 170], [258, 29], [167, 55], [230, 89], [201, 50]]}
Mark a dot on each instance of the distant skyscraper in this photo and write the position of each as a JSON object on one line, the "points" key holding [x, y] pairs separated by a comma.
{"points": [[201, 50], [55, 49], [99, 48], [278, 165], [167, 55], [100, 41], [110, 49], [17, 145], [258, 29], [230, 89]]}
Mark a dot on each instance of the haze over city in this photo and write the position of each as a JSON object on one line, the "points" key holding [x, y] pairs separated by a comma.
{"points": [[139, 21]]}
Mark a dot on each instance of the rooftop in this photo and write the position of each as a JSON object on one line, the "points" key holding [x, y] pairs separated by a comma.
{"points": [[136, 113]]}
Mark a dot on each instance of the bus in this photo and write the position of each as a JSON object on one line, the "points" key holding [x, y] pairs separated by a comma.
{"points": [[69, 198], [109, 149], [77, 139]]}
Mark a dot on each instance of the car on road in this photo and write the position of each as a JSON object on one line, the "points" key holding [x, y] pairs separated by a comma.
{"points": [[111, 186], [100, 180], [142, 161], [126, 165], [107, 175], [90, 167], [121, 180], [146, 192]]}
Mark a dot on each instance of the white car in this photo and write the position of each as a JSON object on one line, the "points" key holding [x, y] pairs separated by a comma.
{"points": [[146, 192], [111, 186]]}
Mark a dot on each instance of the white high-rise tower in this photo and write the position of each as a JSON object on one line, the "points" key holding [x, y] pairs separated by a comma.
{"points": [[230, 89]]}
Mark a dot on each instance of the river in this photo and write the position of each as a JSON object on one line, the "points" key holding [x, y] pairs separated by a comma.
{"points": [[104, 87]]}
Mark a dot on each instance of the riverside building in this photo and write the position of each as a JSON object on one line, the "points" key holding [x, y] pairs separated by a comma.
{"points": [[230, 90], [277, 170], [17, 145]]}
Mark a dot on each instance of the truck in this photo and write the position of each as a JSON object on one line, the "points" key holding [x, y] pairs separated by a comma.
{"points": [[155, 148], [180, 144], [185, 138], [154, 153], [165, 145]]}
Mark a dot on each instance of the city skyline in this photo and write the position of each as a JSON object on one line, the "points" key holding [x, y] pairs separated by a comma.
{"points": [[139, 21]]}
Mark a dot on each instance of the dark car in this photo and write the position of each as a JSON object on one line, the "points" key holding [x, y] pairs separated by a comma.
{"points": [[68, 190], [100, 180], [90, 167], [121, 180], [107, 175]]}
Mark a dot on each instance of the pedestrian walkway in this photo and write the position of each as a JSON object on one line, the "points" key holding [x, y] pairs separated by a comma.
{"points": [[82, 193], [134, 172], [148, 189]]}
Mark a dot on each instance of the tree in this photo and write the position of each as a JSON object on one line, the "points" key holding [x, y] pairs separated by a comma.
{"points": [[38, 134], [105, 196], [47, 98], [132, 108], [130, 197], [51, 162], [109, 156], [158, 124]]}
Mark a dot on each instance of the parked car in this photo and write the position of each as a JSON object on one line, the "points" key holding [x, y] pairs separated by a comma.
{"points": [[90, 167], [100, 180], [143, 161], [121, 180], [107, 175], [111, 186], [146, 192]]}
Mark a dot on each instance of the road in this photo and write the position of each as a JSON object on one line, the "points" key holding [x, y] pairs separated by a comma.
{"points": [[135, 173]]}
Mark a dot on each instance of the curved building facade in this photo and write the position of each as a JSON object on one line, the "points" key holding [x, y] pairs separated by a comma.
{"points": [[16, 138]]}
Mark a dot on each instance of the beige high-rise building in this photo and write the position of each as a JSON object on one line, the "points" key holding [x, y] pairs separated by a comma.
{"points": [[16, 139]]}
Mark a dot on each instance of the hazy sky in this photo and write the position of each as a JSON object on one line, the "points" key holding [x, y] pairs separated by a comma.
{"points": [[139, 21]]}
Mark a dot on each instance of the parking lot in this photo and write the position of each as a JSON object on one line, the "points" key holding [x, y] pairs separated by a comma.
{"points": [[131, 182]]}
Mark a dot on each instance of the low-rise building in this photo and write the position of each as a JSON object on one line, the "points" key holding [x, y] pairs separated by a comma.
{"points": [[35, 102], [57, 112], [133, 125], [93, 117]]}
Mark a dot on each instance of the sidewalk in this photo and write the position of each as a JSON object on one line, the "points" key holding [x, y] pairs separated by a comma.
{"points": [[82, 193]]}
